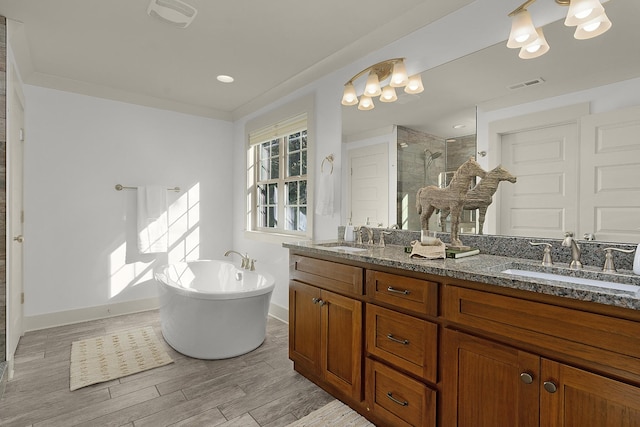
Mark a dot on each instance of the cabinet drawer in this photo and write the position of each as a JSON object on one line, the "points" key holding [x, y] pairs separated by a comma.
{"points": [[397, 399], [608, 343], [402, 340], [419, 296], [333, 276]]}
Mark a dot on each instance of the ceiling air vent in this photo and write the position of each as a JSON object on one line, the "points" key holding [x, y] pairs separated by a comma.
{"points": [[174, 12], [528, 83]]}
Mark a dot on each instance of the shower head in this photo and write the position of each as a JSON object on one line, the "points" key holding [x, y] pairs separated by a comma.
{"points": [[432, 155]]}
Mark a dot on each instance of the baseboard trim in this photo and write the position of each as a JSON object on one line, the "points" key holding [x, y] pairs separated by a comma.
{"points": [[279, 312], [61, 318]]}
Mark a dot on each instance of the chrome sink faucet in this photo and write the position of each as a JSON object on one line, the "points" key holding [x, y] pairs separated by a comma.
{"points": [[369, 234], [569, 241], [247, 263]]}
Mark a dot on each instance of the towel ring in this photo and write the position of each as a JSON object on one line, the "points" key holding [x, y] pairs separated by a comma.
{"points": [[329, 158]]}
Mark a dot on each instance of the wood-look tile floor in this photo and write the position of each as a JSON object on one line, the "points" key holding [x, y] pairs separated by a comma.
{"points": [[256, 389]]}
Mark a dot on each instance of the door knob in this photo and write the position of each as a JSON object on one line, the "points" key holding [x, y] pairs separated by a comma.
{"points": [[550, 386], [526, 377], [19, 238]]}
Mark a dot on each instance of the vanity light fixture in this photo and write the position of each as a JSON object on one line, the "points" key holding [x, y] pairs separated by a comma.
{"points": [[391, 69], [587, 16]]}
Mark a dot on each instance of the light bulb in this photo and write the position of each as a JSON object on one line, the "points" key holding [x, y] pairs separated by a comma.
{"points": [[366, 103], [415, 85], [593, 28], [522, 30], [349, 96], [372, 88], [399, 76], [536, 48], [388, 94]]}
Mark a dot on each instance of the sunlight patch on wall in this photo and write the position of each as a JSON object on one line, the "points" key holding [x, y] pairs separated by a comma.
{"points": [[184, 244]]}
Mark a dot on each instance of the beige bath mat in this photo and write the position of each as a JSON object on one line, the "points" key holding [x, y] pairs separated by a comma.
{"points": [[334, 413], [100, 359]]}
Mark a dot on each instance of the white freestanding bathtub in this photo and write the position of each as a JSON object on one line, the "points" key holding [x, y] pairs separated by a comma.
{"points": [[212, 309]]}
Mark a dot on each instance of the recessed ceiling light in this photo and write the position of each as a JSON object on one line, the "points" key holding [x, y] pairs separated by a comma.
{"points": [[225, 79], [459, 126]]}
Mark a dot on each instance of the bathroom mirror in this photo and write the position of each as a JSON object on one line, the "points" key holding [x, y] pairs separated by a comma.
{"points": [[499, 80]]}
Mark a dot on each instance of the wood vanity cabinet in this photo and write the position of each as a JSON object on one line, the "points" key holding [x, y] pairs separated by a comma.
{"points": [[325, 328], [491, 382], [406, 351]]}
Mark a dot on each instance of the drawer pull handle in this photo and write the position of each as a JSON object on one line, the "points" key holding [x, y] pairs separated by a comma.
{"points": [[394, 339], [390, 396], [392, 289]]}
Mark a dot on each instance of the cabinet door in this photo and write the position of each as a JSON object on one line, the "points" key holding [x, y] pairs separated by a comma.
{"points": [[304, 326], [488, 384], [571, 397], [341, 344]]}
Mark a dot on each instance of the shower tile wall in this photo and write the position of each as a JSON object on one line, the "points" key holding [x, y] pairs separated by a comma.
{"points": [[412, 174], [3, 194], [459, 150]]}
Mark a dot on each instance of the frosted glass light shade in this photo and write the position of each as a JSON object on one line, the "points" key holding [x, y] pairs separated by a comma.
{"points": [[593, 28], [388, 94], [366, 103], [399, 77], [535, 49], [372, 87], [349, 96], [415, 84], [522, 30], [581, 11]]}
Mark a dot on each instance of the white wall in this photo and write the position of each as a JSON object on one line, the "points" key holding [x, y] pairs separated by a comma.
{"points": [[78, 227]]}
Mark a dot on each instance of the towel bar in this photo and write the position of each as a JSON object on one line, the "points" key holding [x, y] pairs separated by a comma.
{"points": [[120, 187]]}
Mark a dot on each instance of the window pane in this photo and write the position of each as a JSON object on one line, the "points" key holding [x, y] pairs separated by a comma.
{"points": [[275, 168], [294, 164], [302, 221], [291, 218], [294, 142], [273, 217], [303, 192], [273, 194], [304, 140], [303, 163], [264, 169], [292, 191], [275, 148]]}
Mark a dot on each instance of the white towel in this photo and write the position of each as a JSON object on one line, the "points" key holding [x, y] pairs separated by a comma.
{"points": [[324, 204], [152, 219]]}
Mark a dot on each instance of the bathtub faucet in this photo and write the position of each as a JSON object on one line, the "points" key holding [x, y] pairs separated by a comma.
{"points": [[247, 263]]}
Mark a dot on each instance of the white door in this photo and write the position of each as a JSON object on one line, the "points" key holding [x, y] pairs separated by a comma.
{"points": [[543, 202], [15, 218], [610, 175], [369, 190]]}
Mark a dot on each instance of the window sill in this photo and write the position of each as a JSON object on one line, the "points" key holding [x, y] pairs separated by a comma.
{"points": [[274, 237]]}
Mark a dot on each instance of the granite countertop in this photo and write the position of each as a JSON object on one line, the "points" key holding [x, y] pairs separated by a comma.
{"points": [[488, 269]]}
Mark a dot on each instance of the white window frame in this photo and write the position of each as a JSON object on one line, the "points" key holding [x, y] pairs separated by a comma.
{"points": [[284, 120]]}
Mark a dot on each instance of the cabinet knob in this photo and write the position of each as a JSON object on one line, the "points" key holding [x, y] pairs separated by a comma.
{"points": [[550, 386], [316, 300], [322, 302], [526, 377]]}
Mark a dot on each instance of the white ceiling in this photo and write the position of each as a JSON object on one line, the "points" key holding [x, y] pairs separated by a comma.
{"points": [[113, 49], [453, 90]]}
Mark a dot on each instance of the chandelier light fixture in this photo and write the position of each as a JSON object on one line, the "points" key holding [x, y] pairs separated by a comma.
{"points": [[391, 69], [587, 16]]}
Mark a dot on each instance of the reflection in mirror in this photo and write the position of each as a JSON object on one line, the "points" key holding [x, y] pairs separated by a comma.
{"points": [[602, 73]]}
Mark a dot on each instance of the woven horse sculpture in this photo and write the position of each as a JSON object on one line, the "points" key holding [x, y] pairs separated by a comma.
{"points": [[481, 196], [451, 197]]}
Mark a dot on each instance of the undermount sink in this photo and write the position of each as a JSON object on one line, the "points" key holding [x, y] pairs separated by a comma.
{"points": [[342, 247], [348, 248], [571, 279]]}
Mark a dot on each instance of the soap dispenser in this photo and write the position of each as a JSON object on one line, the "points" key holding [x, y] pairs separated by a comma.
{"points": [[349, 235], [636, 260]]}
